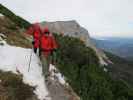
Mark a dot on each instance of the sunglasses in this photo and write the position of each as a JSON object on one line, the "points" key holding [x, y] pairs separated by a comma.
{"points": [[46, 32]]}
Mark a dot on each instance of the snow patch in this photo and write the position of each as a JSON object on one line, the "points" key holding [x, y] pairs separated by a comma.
{"points": [[1, 15], [2, 35], [56, 74], [2, 43], [17, 59], [2, 39]]}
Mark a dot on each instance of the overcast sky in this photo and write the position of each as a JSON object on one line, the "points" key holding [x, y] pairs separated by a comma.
{"points": [[99, 17]]}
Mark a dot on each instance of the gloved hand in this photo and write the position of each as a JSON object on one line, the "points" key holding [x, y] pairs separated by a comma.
{"points": [[54, 50], [33, 42]]}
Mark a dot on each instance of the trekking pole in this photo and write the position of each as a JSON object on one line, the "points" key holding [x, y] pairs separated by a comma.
{"points": [[30, 60]]}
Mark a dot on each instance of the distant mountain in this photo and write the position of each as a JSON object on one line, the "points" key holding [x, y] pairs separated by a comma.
{"points": [[122, 47]]}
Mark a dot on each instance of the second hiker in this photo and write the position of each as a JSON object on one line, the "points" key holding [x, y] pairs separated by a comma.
{"points": [[48, 46], [35, 31]]}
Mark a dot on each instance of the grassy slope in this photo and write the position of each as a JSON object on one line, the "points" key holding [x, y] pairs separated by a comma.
{"points": [[13, 27], [18, 39], [14, 35]]}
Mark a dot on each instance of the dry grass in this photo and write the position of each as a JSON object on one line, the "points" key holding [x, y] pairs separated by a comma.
{"points": [[12, 87]]}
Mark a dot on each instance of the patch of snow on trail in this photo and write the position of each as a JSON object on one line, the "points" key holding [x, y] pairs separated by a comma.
{"points": [[55, 73], [16, 58]]}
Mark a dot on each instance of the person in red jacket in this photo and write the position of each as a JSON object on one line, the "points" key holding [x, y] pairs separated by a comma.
{"points": [[48, 45], [35, 31]]}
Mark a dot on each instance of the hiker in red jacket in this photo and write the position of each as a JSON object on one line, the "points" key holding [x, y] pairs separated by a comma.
{"points": [[48, 45], [35, 31]]}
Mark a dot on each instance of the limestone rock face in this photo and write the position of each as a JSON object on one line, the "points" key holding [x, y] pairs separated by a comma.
{"points": [[73, 29]]}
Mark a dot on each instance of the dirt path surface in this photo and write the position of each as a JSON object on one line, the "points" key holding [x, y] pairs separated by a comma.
{"points": [[60, 92]]}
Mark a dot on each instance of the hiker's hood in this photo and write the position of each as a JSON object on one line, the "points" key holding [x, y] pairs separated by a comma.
{"points": [[36, 26], [46, 30]]}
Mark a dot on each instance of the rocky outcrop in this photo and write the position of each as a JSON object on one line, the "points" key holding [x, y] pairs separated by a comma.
{"points": [[72, 28]]}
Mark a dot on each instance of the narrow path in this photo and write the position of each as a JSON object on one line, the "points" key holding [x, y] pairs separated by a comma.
{"points": [[57, 88], [58, 91]]}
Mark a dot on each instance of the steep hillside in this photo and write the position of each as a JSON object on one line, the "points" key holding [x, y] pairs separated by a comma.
{"points": [[82, 70], [121, 68]]}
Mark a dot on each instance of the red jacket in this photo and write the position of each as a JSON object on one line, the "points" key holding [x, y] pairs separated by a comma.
{"points": [[36, 36], [36, 32], [48, 44]]}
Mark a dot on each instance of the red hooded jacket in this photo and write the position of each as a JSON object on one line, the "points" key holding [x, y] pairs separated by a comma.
{"points": [[36, 32], [48, 43]]}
